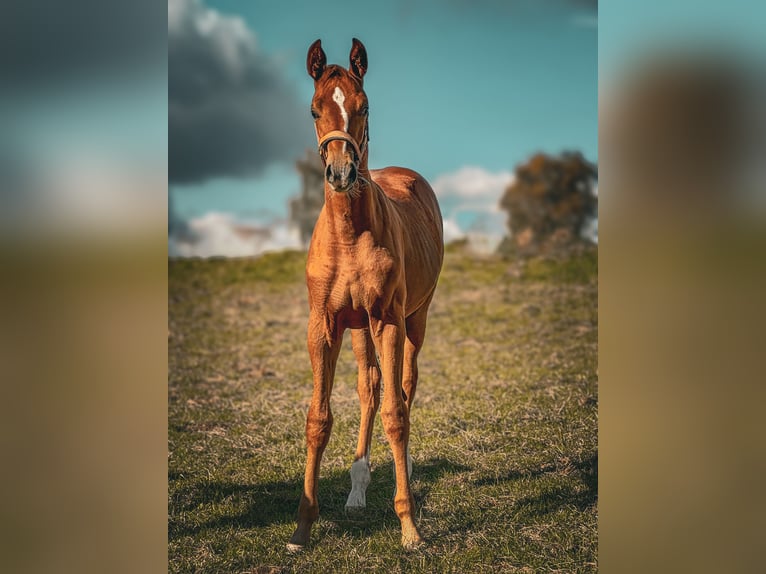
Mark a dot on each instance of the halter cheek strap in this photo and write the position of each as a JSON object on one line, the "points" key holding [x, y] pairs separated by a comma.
{"points": [[339, 135]]}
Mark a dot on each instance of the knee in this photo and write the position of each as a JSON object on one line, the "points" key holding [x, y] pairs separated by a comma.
{"points": [[395, 422], [318, 427]]}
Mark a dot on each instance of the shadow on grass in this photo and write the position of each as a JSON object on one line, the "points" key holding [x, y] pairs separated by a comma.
{"points": [[263, 504], [582, 496]]}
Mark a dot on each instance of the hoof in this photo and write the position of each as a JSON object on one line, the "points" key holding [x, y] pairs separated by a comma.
{"points": [[413, 545], [299, 540], [412, 540]]}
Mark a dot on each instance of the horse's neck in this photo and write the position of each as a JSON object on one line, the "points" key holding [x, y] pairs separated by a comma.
{"points": [[351, 214]]}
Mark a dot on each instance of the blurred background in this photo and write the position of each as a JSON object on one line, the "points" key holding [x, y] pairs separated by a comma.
{"points": [[682, 139], [98, 116], [83, 288], [460, 91]]}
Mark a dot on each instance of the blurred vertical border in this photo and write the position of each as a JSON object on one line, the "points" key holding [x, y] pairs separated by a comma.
{"points": [[83, 293], [83, 242], [682, 278]]}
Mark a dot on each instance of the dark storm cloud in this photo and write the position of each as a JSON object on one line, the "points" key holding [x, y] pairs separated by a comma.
{"points": [[230, 112], [49, 42]]}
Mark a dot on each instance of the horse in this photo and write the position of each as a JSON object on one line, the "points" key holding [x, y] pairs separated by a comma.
{"points": [[373, 263]]}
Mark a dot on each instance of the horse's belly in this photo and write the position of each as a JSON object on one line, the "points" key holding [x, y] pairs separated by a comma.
{"points": [[422, 276]]}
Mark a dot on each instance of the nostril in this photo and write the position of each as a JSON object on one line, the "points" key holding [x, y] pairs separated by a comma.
{"points": [[352, 173], [328, 173]]}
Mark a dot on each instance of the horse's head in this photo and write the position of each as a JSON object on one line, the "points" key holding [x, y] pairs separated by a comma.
{"points": [[339, 108]]}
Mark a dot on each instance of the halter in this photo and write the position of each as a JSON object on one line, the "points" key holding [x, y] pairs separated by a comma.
{"points": [[340, 135]]}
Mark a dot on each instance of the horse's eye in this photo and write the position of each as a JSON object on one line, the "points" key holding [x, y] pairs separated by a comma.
{"points": [[364, 111], [314, 114]]}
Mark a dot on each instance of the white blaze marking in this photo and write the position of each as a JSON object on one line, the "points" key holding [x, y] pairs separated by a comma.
{"points": [[360, 478], [339, 97]]}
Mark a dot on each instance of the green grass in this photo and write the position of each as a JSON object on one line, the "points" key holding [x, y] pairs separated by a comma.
{"points": [[504, 428]]}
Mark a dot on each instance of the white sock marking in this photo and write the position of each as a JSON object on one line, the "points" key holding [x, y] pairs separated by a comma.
{"points": [[339, 97], [360, 478]]}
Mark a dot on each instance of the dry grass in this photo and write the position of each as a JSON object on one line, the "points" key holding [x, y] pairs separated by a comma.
{"points": [[504, 435]]}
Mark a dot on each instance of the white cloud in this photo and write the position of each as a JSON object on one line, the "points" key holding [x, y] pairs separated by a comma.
{"points": [[228, 36], [221, 234], [474, 183], [452, 231], [470, 197]]}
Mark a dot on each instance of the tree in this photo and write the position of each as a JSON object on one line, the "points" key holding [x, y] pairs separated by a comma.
{"points": [[549, 203]]}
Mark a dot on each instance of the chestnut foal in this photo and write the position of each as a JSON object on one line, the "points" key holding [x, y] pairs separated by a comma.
{"points": [[372, 267]]}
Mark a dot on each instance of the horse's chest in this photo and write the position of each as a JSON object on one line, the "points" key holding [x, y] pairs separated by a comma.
{"points": [[363, 279]]}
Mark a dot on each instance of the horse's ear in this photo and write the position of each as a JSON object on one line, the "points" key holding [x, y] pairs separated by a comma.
{"points": [[316, 60], [358, 59]]}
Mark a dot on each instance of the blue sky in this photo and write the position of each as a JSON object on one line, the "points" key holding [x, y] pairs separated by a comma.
{"points": [[451, 84]]}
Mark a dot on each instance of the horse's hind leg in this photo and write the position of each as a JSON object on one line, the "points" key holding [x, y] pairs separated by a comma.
{"points": [[368, 388]]}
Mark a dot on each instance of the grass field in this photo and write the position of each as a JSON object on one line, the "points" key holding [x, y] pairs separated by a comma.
{"points": [[504, 427]]}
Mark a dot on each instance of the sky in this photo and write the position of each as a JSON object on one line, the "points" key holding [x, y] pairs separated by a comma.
{"points": [[459, 91]]}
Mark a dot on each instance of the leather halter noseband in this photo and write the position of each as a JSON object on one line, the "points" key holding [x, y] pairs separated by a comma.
{"points": [[339, 135]]}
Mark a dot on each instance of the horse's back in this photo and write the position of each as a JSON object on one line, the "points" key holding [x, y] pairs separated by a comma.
{"points": [[415, 202]]}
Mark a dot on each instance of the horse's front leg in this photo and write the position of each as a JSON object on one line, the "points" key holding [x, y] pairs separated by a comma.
{"points": [[389, 339], [368, 388], [324, 356]]}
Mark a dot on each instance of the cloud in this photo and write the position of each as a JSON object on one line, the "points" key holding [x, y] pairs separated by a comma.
{"points": [[222, 234], [469, 199], [218, 234], [452, 231], [230, 111], [472, 183]]}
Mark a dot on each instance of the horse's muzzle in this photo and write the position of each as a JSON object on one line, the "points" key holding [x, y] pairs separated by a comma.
{"points": [[340, 167], [341, 175]]}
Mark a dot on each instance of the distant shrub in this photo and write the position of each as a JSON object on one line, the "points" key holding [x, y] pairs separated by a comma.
{"points": [[549, 202]]}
